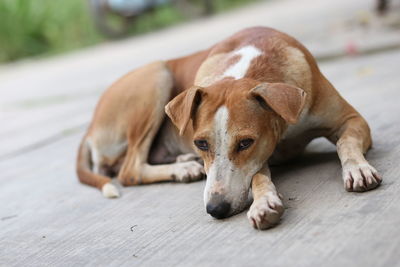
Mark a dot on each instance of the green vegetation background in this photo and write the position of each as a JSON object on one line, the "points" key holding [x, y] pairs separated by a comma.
{"points": [[43, 27]]}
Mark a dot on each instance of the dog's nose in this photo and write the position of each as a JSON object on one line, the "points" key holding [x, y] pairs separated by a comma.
{"points": [[219, 210]]}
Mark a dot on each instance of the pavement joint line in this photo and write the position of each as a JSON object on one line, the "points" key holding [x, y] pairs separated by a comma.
{"points": [[364, 52], [44, 142]]}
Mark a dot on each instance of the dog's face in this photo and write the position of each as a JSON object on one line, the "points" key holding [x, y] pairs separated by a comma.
{"points": [[234, 128]]}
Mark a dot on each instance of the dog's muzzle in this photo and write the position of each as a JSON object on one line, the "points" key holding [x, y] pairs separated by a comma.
{"points": [[218, 207]]}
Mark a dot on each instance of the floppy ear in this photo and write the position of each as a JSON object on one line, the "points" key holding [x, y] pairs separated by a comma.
{"points": [[286, 100], [183, 107]]}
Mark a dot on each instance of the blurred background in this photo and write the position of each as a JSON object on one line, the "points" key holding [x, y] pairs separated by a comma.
{"points": [[30, 28], [48, 27]]}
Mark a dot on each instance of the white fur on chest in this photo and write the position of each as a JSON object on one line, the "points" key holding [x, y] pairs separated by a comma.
{"points": [[305, 123]]}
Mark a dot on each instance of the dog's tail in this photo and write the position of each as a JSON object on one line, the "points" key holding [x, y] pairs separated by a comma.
{"points": [[87, 176]]}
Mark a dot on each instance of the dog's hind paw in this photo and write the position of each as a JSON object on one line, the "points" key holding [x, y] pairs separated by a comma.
{"points": [[266, 211], [188, 157], [109, 191], [360, 177], [188, 171]]}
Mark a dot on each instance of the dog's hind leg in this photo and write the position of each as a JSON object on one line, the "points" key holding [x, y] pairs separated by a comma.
{"points": [[147, 118], [88, 170], [137, 170]]}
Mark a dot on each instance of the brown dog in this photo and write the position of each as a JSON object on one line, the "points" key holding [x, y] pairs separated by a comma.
{"points": [[255, 97]]}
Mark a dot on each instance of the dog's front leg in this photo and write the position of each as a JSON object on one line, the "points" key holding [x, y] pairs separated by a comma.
{"points": [[267, 207], [353, 141]]}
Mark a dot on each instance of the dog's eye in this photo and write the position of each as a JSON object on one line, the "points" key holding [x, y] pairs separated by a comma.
{"points": [[245, 144], [201, 144]]}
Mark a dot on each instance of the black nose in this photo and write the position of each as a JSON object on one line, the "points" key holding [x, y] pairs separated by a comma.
{"points": [[220, 210]]}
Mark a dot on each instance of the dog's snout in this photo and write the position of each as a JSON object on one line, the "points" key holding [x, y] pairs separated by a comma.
{"points": [[218, 207], [220, 210]]}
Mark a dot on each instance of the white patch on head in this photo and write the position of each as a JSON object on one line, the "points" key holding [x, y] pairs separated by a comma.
{"points": [[223, 176], [239, 69], [221, 143], [221, 131], [221, 151]]}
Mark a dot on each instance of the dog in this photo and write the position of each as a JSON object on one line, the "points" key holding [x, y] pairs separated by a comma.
{"points": [[253, 99]]}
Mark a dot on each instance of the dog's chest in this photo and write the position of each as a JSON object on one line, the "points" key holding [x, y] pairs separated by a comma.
{"points": [[304, 123], [297, 136]]}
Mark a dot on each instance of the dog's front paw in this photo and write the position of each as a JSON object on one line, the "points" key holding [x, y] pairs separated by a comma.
{"points": [[189, 171], [266, 212], [360, 177]]}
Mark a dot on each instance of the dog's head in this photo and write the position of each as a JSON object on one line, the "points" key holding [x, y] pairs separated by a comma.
{"points": [[235, 126]]}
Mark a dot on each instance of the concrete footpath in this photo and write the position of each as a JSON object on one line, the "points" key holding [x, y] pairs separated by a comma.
{"points": [[48, 219]]}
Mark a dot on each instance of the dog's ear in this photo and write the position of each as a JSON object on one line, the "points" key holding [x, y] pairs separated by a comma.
{"points": [[286, 100], [183, 107]]}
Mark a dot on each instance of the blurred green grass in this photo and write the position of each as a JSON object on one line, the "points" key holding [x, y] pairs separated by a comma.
{"points": [[42, 27]]}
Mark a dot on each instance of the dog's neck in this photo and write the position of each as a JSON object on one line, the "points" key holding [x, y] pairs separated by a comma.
{"points": [[184, 70]]}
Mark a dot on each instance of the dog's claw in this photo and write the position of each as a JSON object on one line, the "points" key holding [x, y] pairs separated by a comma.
{"points": [[266, 211], [360, 177]]}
